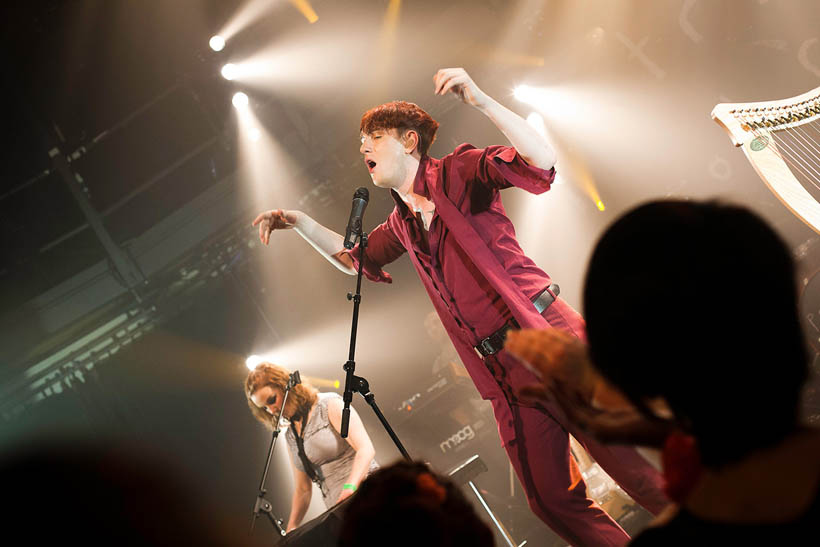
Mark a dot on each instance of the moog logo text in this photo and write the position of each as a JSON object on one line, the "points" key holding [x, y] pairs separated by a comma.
{"points": [[464, 434]]}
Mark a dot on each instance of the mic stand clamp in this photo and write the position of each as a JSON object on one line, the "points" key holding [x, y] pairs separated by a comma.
{"points": [[262, 505], [361, 386], [357, 383]]}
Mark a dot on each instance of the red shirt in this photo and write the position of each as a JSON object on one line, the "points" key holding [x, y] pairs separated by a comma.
{"points": [[469, 261]]}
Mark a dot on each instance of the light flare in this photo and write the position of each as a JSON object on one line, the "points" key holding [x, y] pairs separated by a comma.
{"points": [[320, 382], [558, 105], [240, 101], [552, 102], [217, 43], [253, 360], [305, 9], [229, 71], [254, 10]]}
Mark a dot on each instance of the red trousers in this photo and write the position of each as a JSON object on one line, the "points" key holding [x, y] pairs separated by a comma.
{"points": [[537, 444]]}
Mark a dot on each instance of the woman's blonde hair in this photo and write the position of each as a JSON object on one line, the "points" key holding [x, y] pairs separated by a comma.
{"points": [[268, 374]]}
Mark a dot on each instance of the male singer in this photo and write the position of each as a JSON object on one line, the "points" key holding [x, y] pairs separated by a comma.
{"points": [[449, 219]]}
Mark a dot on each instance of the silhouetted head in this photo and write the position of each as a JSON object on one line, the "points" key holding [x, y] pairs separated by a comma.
{"points": [[696, 303], [71, 490], [407, 504]]}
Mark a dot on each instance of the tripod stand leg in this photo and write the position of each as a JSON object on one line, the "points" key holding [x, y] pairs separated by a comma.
{"points": [[371, 400], [504, 533]]}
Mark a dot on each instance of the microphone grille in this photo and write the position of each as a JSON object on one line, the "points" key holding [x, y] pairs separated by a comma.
{"points": [[362, 193]]}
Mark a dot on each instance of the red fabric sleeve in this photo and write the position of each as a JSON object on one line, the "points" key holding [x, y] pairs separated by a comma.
{"points": [[383, 247], [500, 167]]}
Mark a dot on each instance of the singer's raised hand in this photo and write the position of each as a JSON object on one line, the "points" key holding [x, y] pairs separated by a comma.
{"points": [[275, 219], [457, 81]]}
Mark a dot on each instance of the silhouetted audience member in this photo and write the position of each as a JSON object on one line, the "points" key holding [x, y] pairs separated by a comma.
{"points": [[84, 493], [407, 504], [691, 313]]}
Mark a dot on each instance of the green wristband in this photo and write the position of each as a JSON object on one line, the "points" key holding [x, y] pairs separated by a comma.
{"points": [[348, 486]]}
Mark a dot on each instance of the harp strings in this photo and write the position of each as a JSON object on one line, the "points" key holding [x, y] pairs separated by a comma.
{"points": [[802, 150], [798, 148], [808, 142]]}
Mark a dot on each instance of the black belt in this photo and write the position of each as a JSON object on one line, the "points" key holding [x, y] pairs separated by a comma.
{"points": [[495, 342]]}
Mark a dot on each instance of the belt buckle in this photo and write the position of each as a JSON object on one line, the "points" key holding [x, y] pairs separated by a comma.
{"points": [[485, 348]]}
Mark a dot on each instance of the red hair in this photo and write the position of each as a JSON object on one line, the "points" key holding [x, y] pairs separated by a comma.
{"points": [[402, 116], [268, 374]]}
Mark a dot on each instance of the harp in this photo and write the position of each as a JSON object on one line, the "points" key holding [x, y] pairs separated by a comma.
{"points": [[781, 139]]}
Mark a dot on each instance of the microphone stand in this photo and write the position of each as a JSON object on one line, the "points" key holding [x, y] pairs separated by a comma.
{"points": [[357, 383], [262, 505]]}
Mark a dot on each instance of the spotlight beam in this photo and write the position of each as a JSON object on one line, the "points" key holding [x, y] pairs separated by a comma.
{"points": [[546, 102], [253, 10], [305, 9]]}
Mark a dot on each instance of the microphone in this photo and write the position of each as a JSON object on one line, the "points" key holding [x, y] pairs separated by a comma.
{"points": [[354, 225], [294, 379]]}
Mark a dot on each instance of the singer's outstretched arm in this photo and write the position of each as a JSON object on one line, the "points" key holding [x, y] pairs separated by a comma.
{"points": [[328, 243]]}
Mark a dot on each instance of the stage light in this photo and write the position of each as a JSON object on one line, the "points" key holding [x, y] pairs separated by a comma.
{"points": [[321, 382], [240, 100], [255, 134], [217, 43], [557, 104], [525, 94], [306, 9], [252, 361], [230, 71]]}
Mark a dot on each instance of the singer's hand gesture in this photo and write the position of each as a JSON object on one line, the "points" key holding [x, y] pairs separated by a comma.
{"points": [[275, 219], [457, 81]]}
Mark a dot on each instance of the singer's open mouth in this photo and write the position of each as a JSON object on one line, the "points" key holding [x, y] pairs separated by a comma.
{"points": [[370, 164]]}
